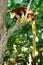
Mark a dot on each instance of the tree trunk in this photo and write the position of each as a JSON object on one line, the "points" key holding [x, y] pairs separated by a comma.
{"points": [[3, 6]]}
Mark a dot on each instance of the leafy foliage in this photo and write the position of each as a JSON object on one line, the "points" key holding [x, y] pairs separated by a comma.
{"points": [[20, 42]]}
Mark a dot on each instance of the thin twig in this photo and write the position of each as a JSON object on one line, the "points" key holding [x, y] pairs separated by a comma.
{"points": [[28, 7]]}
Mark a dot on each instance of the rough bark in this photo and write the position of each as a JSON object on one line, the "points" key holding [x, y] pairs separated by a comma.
{"points": [[3, 5]]}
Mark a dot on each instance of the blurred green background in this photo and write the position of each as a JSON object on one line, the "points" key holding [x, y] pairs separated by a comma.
{"points": [[20, 42]]}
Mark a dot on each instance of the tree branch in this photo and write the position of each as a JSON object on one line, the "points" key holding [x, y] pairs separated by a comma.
{"points": [[17, 26]]}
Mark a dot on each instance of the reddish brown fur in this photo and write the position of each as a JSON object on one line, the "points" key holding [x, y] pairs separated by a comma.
{"points": [[19, 11]]}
